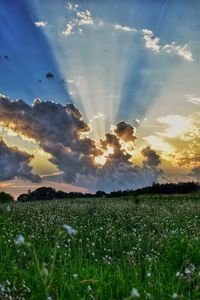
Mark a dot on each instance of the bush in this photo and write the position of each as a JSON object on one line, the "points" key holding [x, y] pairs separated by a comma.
{"points": [[4, 197]]}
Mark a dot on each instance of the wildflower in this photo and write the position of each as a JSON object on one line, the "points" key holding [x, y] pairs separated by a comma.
{"points": [[175, 295], [187, 271], [148, 295], [148, 274], [135, 293], [89, 288], [190, 269], [75, 276], [178, 274], [69, 229], [20, 240]]}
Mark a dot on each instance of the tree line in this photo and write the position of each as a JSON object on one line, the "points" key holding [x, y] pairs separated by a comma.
{"points": [[48, 193]]}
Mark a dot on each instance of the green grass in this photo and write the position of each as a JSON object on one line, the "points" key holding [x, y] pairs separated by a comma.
{"points": [[119, 245]]}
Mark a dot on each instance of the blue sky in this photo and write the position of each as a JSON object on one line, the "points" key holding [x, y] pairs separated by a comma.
{"points": [[116, 58]]}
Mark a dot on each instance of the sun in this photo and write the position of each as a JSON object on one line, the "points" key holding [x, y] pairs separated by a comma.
{"points": [[101, 160]]}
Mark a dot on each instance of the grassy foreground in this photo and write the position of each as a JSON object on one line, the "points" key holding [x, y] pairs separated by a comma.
{"points": [[122, 249]]}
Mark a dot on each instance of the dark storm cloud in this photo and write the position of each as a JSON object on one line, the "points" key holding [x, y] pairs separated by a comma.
{"points": [[58, 129], [15, 163], [47, 122], [119, 172], [125, 131], [62, 132], [151, 158], [113, 141], [125, 176]]}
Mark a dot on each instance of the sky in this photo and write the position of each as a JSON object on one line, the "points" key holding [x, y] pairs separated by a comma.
{"points": [[98, 95]]}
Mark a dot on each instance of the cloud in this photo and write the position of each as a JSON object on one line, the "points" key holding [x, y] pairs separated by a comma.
{"points": [[178, 140], [116, 175], [125, 132], [150, 42], [62, 132], [70, 6], [57, 129], [195, 172], [176, 125], [119, 172], [192, 98], [191, 160], [84, 18], [69, 29], [40, 24], [15, 164], [178, 50], [151, 158], [124, 28], [154, 44], [81, 18], [98, 116], [159, 144]]}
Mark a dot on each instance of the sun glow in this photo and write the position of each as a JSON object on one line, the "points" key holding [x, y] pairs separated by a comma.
{"points": [[101, 160], [159, 144], [12, 132], [176, 125], [128, 147]]}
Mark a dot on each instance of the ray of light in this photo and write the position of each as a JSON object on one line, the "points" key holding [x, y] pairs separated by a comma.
{"points": [[105, 69]]}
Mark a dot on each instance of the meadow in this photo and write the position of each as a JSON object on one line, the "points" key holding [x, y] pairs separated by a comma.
{"points": [[121, 248]]}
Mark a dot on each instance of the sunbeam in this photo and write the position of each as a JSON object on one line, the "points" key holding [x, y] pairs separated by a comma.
{"points": [[99, 71], [105, 65]]}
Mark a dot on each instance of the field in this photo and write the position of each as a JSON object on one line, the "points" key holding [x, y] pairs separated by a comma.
{"points": [[145, 248]]}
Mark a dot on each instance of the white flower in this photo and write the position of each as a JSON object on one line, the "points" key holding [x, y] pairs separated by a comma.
{"points": [[190, 269], [75, 276], [8, 282], [89, 288], [175, 295], [178, 274], [135, 293], [20, 240], [148, 274], [49, 298], [148, 295], [69, 229]]}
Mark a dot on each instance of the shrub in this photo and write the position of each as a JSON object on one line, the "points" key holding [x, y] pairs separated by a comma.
{"points": [[4, 197]]}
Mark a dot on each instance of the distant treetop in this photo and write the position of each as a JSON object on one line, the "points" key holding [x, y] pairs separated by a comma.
{"points": [[48, 193]]}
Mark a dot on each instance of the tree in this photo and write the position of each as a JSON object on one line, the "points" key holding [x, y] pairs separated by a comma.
{"points": [[5, 198], [42, 193], [100, 194], [23, 198]]}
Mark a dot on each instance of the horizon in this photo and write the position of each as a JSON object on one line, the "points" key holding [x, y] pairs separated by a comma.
{"points": [[179, 188], [98, 95]]}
